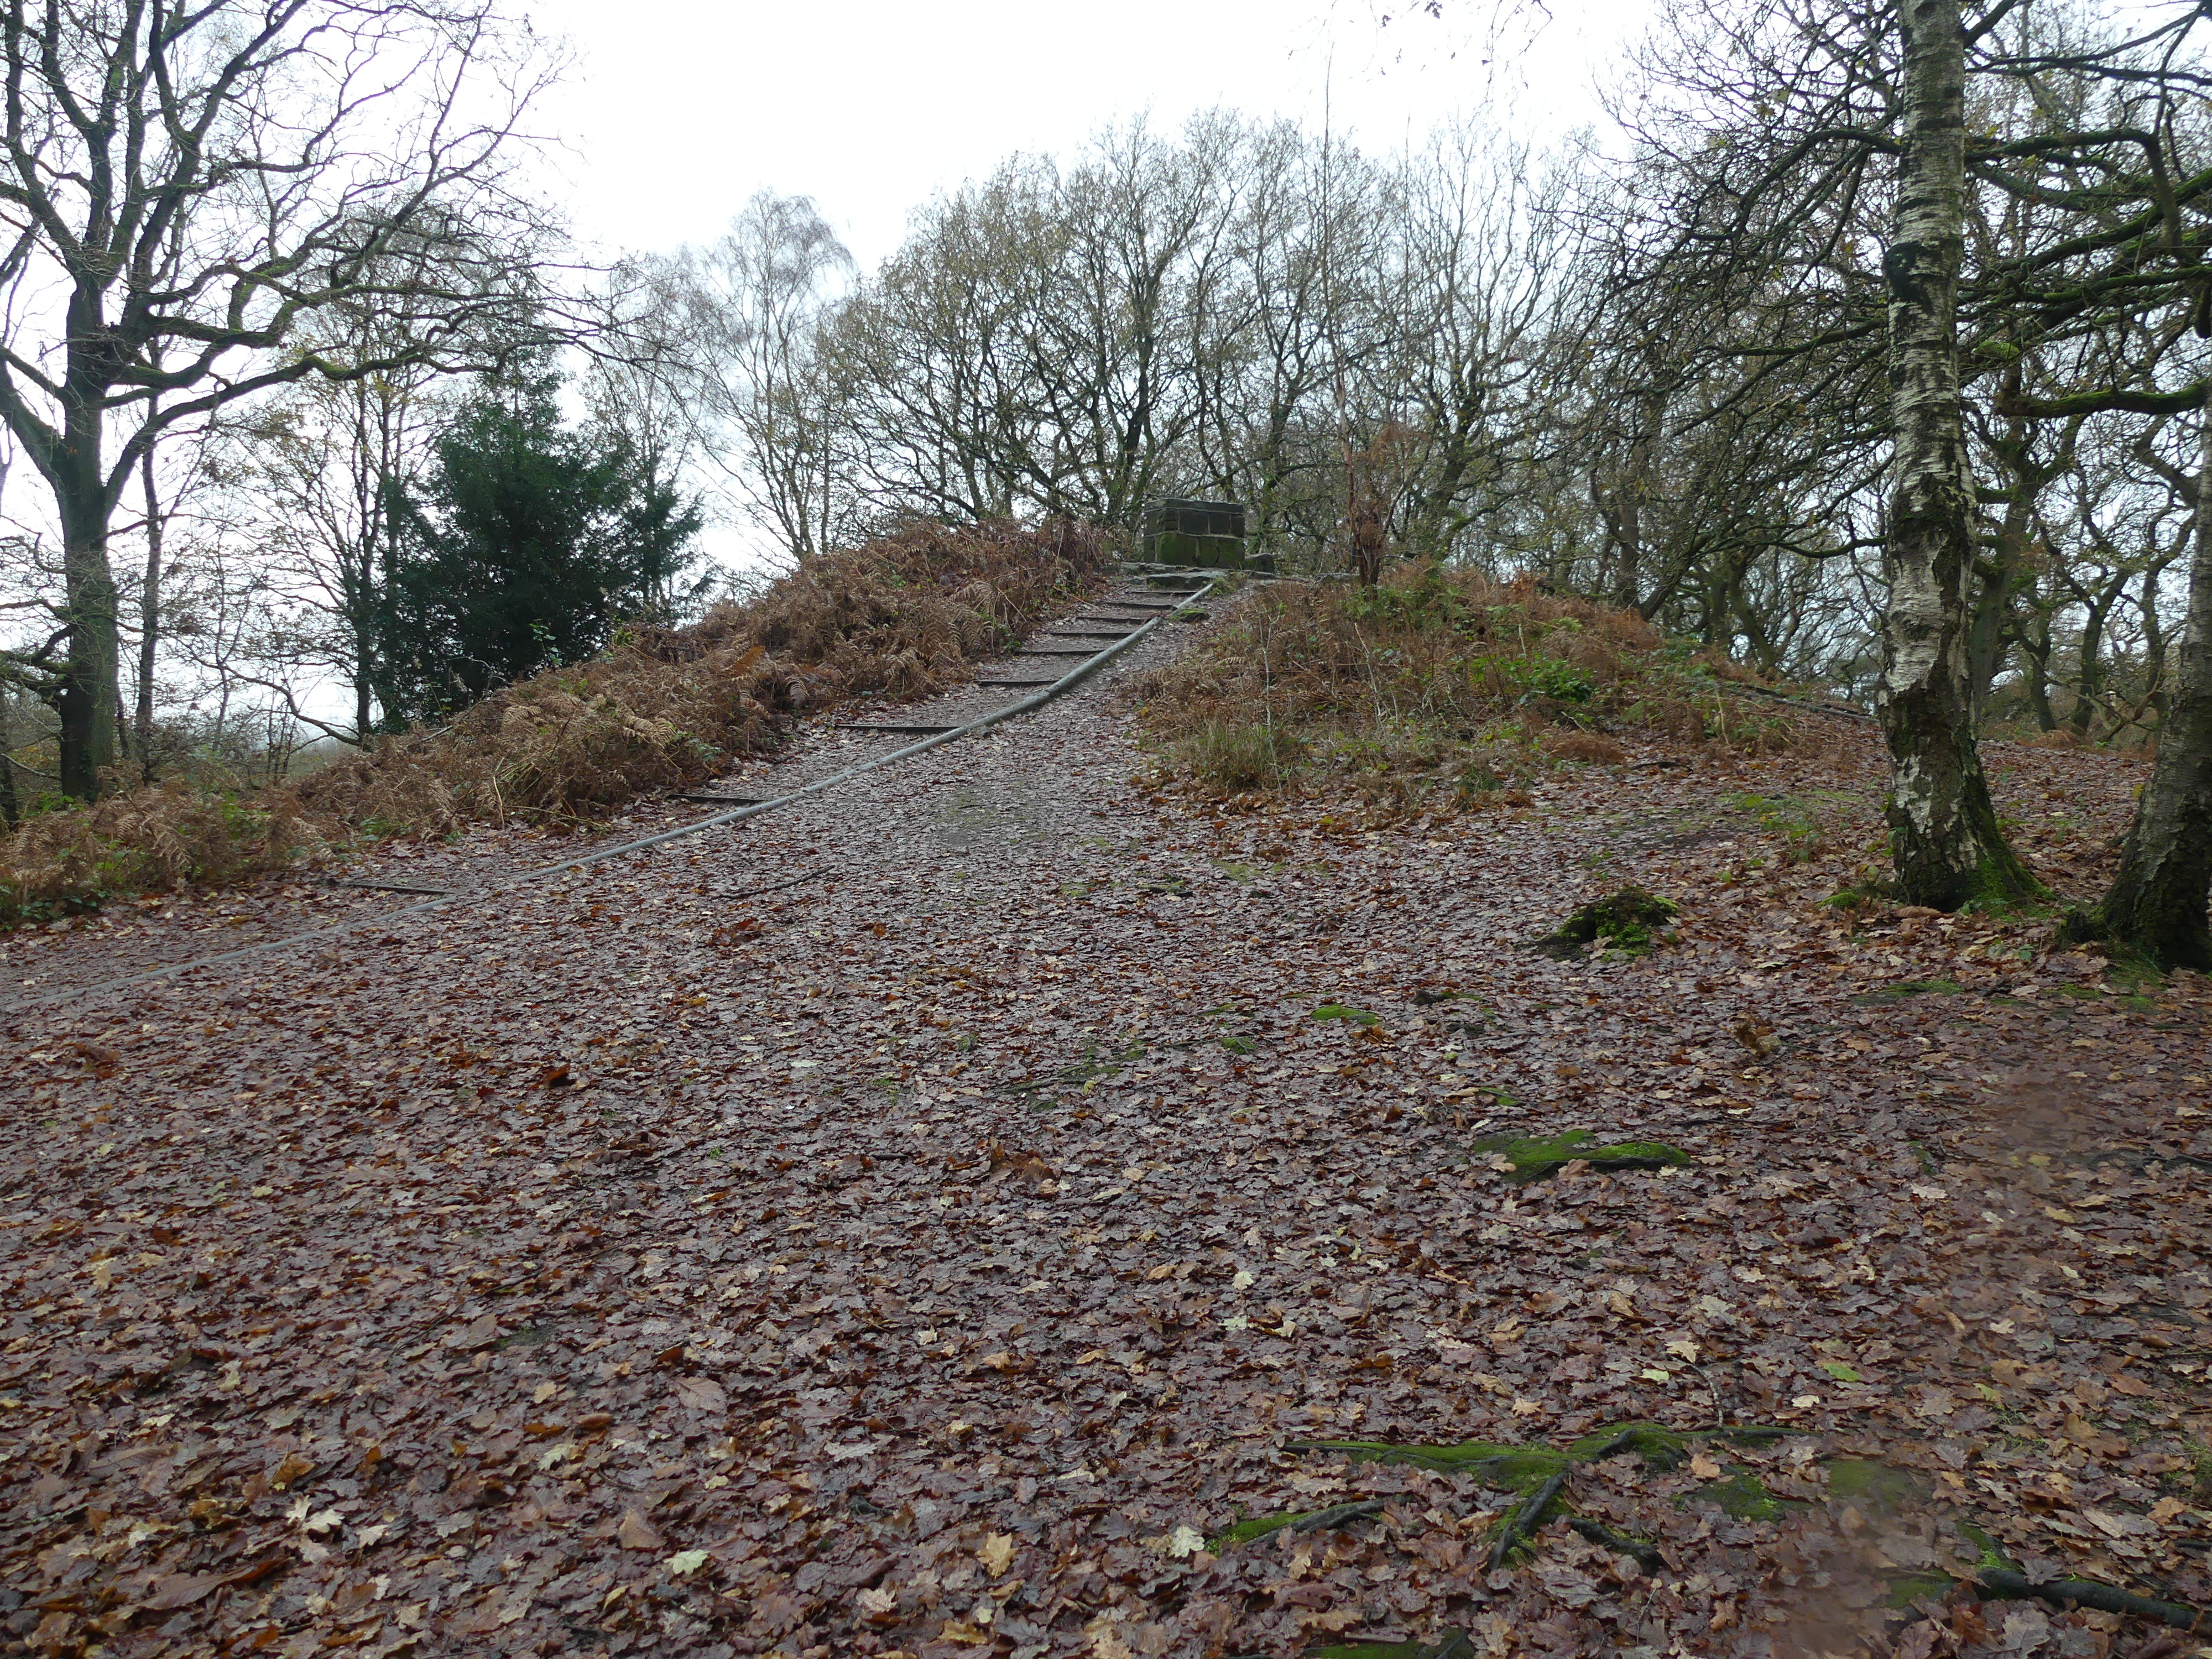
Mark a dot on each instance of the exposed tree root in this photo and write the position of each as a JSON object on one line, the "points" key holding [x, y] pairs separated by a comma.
{"points": [[1261, 1526], [1645, 1556], [1539, 1473], [1449, 1644], [1522, 1527], [1997, 1583], [1515, 1468]]}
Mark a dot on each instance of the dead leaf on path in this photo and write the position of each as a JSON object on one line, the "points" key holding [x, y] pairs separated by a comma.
{"points": [[293, 1468], [701, 1393], [1703, 1467], [182, 1589], [878, 1606], [996, 1553], [636, 1533], [478, 1333]]}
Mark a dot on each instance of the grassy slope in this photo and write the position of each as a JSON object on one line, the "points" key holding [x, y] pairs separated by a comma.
{"points": [[902, 616]]}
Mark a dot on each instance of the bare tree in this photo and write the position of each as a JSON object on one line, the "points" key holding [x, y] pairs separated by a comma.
{"points": [[319, 474], [737, 333], [182, 187]]}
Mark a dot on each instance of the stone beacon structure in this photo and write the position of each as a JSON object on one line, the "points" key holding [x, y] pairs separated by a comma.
{"points": [[1210, 533]]}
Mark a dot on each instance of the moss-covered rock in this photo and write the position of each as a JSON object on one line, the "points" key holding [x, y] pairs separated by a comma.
{"points": [[1628, 921], [1533, 1160]]}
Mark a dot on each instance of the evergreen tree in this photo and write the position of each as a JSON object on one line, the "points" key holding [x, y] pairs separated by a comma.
{"points": [[529, 545]]}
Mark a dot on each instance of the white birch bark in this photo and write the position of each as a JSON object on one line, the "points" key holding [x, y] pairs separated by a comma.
{"points": [[1944, 833]]}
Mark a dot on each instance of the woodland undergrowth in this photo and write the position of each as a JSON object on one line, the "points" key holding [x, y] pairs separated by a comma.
{"points": [[902, 616], [1436, 691]]}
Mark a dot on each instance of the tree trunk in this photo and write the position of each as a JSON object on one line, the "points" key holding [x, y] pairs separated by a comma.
{"points": [[1999, 582], [149, 622], [2158, 902], [90, 704], [1944, 837], [2035, 649], [2089, 676]]}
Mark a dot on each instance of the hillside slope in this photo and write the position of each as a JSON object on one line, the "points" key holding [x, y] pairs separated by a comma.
{"points": [[934, 1219]]}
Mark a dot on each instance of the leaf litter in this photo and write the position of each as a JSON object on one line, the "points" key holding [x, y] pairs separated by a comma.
{"points": [[947, 1254]]}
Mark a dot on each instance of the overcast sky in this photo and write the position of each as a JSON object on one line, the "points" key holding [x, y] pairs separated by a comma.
{"points": [[677, 111]]}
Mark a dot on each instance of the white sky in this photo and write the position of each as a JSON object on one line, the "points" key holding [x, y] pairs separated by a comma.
{"points": [[677, 111]]}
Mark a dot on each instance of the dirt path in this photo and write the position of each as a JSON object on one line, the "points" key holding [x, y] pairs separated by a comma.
{"points": [[925, 1252]]}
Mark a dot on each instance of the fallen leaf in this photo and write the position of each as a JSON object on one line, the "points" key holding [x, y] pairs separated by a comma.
{"points": [[2117, 1526], [479, 1333], [996, 1553], [684, 1562], [877, 1605], [701, 1393], [292, 1467], [183, 1589], [635, 1533], [1183, 1542]]}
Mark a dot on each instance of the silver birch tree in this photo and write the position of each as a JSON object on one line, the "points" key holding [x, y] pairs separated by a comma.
{"points": [[1945, 843]]}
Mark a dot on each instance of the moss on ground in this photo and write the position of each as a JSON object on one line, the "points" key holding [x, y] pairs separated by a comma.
{"points": [[1873, 1486], [1907, 1588], [1345, 1010], [1449, 1644], [1905, 988], [1745, 1496], [1533, 1160]]}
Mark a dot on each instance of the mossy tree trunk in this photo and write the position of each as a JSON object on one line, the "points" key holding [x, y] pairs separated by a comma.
{"points": [[1943, 829], [2158, 902]]}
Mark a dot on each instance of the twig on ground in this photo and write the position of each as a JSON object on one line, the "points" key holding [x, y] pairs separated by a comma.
{"points": [[774, 887], [1720, 1413]]}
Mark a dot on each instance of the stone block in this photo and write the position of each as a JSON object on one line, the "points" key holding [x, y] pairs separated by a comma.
{"points": [[1192, 532]]}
